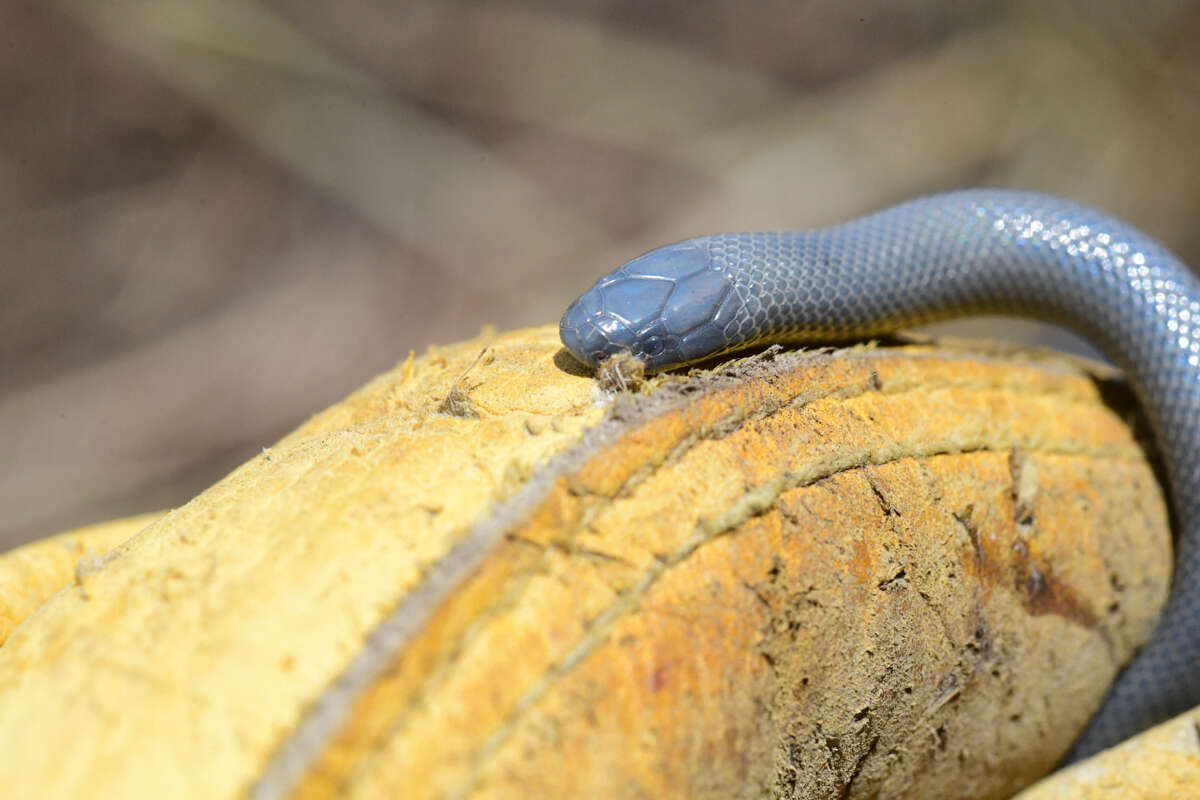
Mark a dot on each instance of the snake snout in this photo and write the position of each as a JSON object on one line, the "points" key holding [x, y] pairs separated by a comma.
{"points": [[664, 308], [593, 335]]}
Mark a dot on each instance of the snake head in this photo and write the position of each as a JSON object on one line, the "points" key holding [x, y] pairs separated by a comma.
{"points": [[665, 308]]}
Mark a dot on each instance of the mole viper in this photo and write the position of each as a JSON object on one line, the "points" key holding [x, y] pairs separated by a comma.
{"points": [[942, 256]]}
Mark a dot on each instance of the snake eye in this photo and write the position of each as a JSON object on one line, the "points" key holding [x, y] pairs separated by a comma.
{"points": [[653, 346]]}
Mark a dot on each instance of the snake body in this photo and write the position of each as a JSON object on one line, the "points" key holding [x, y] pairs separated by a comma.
{"points": [[930, 259]]}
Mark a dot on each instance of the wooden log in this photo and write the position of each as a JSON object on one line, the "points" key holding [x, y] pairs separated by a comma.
{"points": [[31, 573], [1163, 762], [892, 572]]}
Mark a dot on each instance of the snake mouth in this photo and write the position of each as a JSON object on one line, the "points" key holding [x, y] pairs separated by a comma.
{"points": [[596, 337], [592, 338]]}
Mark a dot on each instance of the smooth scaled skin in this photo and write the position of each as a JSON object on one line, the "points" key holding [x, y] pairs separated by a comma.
{"points": [[930, 259]]}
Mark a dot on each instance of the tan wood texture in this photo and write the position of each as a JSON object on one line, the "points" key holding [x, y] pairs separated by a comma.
{"points": [[1163, 762], [894, 572], [31, 573]]}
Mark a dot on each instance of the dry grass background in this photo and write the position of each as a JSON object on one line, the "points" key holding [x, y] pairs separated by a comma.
{"points": [[219, 217]]}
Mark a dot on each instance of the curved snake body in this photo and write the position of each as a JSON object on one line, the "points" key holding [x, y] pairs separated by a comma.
{"points": [[951, 255]]}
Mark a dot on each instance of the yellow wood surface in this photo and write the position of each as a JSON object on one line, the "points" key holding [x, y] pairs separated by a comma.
{"points": [[31, 573], [1161, 764], [902, 572]]}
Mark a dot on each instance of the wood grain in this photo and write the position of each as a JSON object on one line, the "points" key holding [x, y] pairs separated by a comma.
{"points": [[900, 572]]}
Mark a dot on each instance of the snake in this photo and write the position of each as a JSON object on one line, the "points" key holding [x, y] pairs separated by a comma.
{"points": [[974, 251]]}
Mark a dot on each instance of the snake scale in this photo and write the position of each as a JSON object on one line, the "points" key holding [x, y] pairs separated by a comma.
{"points": [[929, 259]]}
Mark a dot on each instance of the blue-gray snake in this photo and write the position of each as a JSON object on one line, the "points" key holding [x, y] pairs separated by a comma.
{"points": [[937, 257]]}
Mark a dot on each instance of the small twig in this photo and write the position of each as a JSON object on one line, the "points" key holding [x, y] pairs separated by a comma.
{"points": [[458, 403], [621, 373]]}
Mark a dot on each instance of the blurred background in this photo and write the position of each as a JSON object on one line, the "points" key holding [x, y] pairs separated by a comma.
{"points": [[217, 218]]}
